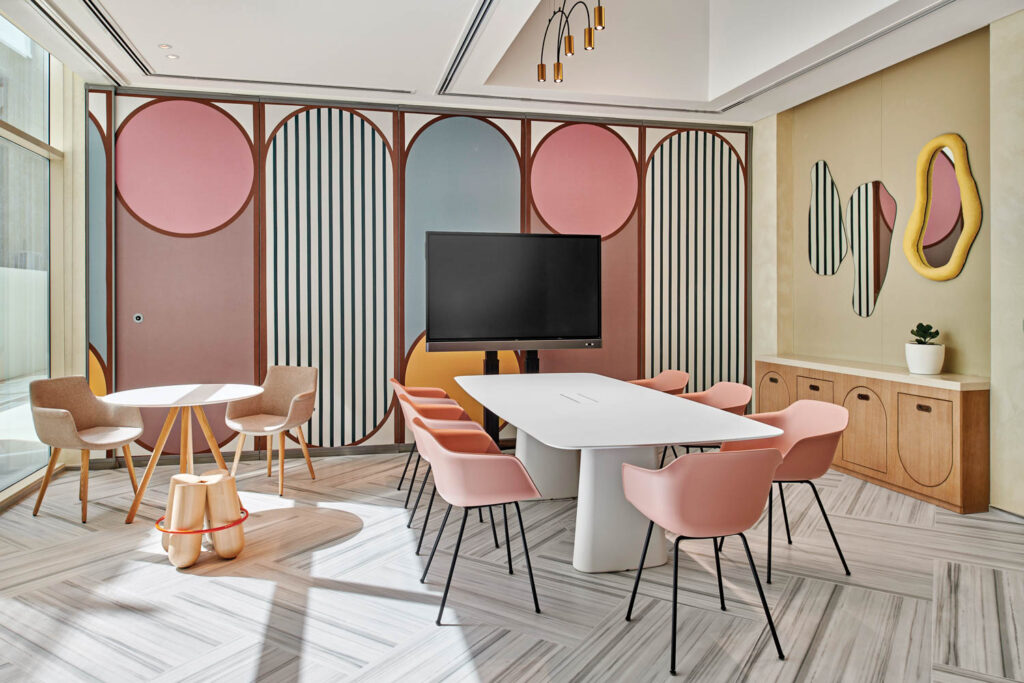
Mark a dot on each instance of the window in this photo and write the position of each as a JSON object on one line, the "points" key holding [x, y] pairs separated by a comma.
{"points": [[24, 248]]}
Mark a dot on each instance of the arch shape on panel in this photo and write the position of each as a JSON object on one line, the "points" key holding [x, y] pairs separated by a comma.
{"points": [[695, 264], [330, 298], [584, 180], [462, 174], [185, 167]]}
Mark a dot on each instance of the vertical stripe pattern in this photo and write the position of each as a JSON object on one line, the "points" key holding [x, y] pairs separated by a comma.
{"points": [[695, 260], [826, 244], [330, 266], [870, 242]]}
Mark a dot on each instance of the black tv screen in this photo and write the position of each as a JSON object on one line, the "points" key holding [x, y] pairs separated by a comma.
{"points": [[496, 291]]}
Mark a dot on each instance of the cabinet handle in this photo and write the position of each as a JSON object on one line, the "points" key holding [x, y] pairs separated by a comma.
{"points": [[813, 387], [773, 380], [863, 397], [924, 408]]}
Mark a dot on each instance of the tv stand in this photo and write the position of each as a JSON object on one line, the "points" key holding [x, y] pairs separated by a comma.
{"points": [[531, 366]]}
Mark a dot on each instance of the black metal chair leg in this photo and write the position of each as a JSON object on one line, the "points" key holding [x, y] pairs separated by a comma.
{"points": [[451, 570], [829, 525], [508, 545], [480, 514], [768, 575], [526, 553], [675, 454], [675, 602], [426, 520], [412, 481], [408, 461], [718, 568], [494, 529], [785, 515], [721, 543], [416, 505], [639, 570], [760, 592], [423, 579], [664, 452]]}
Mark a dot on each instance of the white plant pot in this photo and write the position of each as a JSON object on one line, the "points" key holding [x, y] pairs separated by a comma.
{"points": [[925, 359]]}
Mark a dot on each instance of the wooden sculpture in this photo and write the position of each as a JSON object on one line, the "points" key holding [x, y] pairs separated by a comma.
{"points": [[199, 504]]}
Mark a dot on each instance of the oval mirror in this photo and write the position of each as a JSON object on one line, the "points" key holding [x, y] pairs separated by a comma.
{"points": [[871, 214], [826, 238]]}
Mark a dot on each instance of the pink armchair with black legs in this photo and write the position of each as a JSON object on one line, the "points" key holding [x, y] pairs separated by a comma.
{"points": [[418, 396], [667, 381], [703, 496], [731, 397], [810, 434], [471, 472]]}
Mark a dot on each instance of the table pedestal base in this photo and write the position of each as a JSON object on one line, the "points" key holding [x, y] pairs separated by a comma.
{"points": [[555, 472], [609, 530]]}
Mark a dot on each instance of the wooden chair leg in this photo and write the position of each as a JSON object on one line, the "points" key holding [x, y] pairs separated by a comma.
{"points": [[185, 442], [238, 453], [131, 467], [211, 440], [280, 463], [46, 480], [305, 452], [84, 482], [270, 454]]}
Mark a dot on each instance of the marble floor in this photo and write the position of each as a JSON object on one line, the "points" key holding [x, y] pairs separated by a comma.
{"points": [[327, 589]]}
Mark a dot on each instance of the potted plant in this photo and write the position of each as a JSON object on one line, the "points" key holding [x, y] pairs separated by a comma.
{"points": [[924, 356]]}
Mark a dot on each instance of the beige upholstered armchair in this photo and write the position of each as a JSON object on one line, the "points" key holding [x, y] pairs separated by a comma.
{"points": [[287, 400], [67, 414]]}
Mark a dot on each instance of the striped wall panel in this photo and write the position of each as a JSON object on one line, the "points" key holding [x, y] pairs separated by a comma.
{"points": [[870, 237], [330, 266], [695, 256], [827, 244]]}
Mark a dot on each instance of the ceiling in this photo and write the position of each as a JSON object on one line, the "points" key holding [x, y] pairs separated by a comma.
{"points": [[669, 60]]}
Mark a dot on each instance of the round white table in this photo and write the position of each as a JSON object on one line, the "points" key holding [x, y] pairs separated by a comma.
{"points": [[183, 399]]}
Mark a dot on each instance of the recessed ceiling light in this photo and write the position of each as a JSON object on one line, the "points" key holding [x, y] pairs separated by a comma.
{"points": [[164, 46], [172, 56]]}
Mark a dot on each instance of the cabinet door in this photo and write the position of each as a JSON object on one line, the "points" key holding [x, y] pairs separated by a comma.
{"points": [[813, 389], [924, 428], [864, 441], [772, 393]]}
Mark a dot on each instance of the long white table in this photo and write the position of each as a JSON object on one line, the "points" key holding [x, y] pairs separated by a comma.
{"points": [[574, 432]]}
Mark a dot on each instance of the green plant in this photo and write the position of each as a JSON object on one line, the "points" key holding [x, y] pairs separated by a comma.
{"points": [[924, 334]]}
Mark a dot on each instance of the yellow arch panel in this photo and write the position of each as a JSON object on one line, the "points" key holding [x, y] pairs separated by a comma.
{"points": [[97, 379], [970, 201]]}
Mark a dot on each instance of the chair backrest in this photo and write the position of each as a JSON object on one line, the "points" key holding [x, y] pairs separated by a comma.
{"points": [[728, 396], [71, 394], [705, 494], [466, 478], [282, 384], [810, 433], [668, 381]]}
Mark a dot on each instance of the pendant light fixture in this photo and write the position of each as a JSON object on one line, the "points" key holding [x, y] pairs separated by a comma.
{"points": [[566, 43]]}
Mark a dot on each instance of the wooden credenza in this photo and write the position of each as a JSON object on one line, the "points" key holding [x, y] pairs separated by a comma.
{"points": [[924, 435]]}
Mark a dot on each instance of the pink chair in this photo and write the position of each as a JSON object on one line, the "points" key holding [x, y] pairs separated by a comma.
{"points": [[668, 381], [703, 496], [421, 396], [477, 478], [811, 432], [728, 396], [438, 416]]}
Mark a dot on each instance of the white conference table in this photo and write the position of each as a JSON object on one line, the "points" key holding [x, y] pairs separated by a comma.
{"points": [[574, 432]]}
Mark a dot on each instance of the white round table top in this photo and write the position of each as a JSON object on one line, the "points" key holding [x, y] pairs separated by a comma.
{"points": [[182, 395]]}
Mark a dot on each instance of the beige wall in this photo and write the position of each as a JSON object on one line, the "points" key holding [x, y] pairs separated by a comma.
{"points": [[1006, 216], [764, 239], [870, 130]]}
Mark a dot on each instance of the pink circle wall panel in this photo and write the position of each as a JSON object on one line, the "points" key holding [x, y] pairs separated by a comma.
{"points": [[944, 210], [584, 180], [183, 167]]}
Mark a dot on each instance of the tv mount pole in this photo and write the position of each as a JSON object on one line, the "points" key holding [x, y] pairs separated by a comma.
{"points": [[531, 365]]}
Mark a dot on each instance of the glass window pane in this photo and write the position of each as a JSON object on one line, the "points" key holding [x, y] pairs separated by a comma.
{"points": [[24, 82], [24, 304]]}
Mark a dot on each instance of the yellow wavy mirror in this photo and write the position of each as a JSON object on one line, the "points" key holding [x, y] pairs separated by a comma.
{"points": [[947, 210]]}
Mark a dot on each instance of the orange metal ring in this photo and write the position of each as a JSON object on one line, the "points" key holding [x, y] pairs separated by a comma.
{"points": [[245, 516]]}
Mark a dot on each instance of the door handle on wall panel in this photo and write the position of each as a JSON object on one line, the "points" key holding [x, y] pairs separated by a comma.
{"points": [[813, 387], [863, 397], [924, 408], [773, 380]]}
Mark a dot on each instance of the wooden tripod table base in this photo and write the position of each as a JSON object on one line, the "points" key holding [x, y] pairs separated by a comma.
{"points": [[180, 400]]}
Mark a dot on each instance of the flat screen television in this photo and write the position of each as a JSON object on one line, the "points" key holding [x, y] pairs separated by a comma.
{"points": [[496, 291]]}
